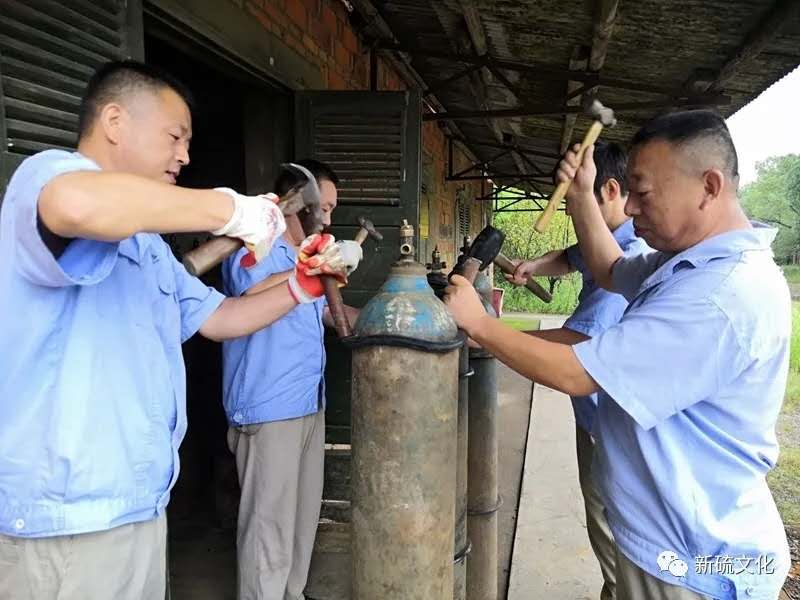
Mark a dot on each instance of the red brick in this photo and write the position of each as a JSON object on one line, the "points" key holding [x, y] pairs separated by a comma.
{"points": [[329, 18], [314, 7], [322, 35], [349, 39], [259, 14], [336, 81], [310, 44], [297, 13], [342, 57]]}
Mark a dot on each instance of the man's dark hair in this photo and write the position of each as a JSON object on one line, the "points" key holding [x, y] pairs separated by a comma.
{"points": [[611, 160], [702, 130], [116, 80], [287, 179]]}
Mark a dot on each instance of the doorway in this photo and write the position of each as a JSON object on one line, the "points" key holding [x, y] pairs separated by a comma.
{"points": [[228, 149]]}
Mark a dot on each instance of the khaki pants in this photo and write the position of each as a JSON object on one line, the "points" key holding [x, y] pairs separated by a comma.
{"points": [[600, 536], [280, 466], [635, 584], [124, 563]]}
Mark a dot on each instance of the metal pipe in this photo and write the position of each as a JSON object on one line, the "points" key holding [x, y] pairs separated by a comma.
{"points": [[482, 495]]}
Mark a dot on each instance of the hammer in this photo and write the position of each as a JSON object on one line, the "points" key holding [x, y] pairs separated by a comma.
{"points": [[304, 195], [506, 266], [335, 304], [480, 254], [602, 116]]}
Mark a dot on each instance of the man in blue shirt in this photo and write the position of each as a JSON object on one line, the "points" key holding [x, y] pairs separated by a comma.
{"points": [[274, 397], [597, 310], [690, 381], [95, 308]]}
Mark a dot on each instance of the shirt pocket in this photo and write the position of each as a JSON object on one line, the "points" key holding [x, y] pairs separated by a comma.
{"points": [[166, 307]]}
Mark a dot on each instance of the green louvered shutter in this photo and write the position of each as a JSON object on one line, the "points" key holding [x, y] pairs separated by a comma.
{"points": [[48, 51]]}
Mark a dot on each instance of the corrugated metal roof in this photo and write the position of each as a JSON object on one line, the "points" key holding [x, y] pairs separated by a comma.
{"points": [[653, 43]]}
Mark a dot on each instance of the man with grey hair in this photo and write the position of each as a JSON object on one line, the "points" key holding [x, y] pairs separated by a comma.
{"points": [[690, 381]]}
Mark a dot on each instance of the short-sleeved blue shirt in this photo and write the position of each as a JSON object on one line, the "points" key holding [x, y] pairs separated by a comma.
{"points": [[598, 309], [92, 378], [276, 373], [693, 378]]}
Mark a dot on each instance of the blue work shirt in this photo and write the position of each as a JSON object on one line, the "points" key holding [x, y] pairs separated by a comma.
{"points": [[693, 378], [598, 309], [278, 372], [92, 378]]}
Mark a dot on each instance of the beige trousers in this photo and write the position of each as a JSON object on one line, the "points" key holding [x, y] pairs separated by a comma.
{"points": [[600, 536], [280, 466], [635, 584], [124, 563]]}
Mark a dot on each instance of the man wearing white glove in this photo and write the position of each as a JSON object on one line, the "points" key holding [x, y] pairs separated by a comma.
{"points": [[95, 310], [274, 397]]}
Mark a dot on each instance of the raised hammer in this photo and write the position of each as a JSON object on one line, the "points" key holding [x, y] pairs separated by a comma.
{"points": [[304, 195], [335, 304], [603, 117]]}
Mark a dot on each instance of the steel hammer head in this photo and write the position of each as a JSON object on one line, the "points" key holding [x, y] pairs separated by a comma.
{"points": [[369, 227], [595, 109], [310, 213]]}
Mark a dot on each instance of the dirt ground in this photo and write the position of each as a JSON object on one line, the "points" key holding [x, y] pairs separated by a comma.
{"points": [[791, 588]]}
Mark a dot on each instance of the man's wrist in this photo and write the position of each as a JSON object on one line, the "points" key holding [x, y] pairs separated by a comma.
{"points": [[477, 328]]}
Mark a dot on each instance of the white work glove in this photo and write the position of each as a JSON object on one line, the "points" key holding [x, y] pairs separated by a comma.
{"points": [[257, 221], [351, 254]]}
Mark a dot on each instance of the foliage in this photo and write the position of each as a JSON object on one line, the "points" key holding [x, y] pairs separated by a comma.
{"points": [[521, 322], [784, 480], [792, 273], [774, 198], [522, 241]]}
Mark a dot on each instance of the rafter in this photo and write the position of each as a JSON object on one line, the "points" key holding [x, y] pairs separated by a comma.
{"points": [[555, 111]]}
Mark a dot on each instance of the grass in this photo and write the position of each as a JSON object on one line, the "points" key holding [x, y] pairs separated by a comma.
{"points": [[521, 322], [784, 480], [792, 273], [565, 296]]}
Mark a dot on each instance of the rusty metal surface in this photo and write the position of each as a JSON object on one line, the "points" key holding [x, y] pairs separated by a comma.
{"points": [[482, 495], [461, 541], [404, 473]]}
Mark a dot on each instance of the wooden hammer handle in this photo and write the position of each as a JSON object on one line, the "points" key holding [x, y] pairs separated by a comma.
{"points": [[506, 266], [561, 189], [207, 256], [336, 305]]}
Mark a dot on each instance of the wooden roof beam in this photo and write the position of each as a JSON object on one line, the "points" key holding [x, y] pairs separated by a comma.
{"points": [[783, 11], [555, 111], [605, 18]]}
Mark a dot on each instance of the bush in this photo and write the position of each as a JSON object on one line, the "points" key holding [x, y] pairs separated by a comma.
{"points": [[523, 242]]}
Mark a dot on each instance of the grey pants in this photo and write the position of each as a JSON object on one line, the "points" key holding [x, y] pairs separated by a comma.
{"points": [[635, 584], [280, 466], [600, 536], [124, 563]]}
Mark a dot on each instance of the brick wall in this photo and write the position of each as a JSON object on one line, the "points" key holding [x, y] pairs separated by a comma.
{"points": [[319, 31]]}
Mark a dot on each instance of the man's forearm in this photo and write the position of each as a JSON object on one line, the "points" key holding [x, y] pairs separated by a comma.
{"points": [[114, 206], [598, 247], [552, 264], [247, 314], [562, 335], [548, 363]]}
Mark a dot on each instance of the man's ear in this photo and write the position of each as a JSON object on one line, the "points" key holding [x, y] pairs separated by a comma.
{"points": [[610, 191], [713, 184], [111, 120]]}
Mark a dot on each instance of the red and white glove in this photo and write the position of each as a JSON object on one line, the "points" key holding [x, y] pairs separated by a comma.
{"points": [[257, 221], [319, 255]]}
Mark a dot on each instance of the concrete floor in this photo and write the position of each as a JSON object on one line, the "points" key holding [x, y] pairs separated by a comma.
{"points": [[551, 555]]}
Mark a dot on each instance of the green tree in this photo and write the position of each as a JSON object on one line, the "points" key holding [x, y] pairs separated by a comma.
{"points": [[523, 242], [774, 198]]}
